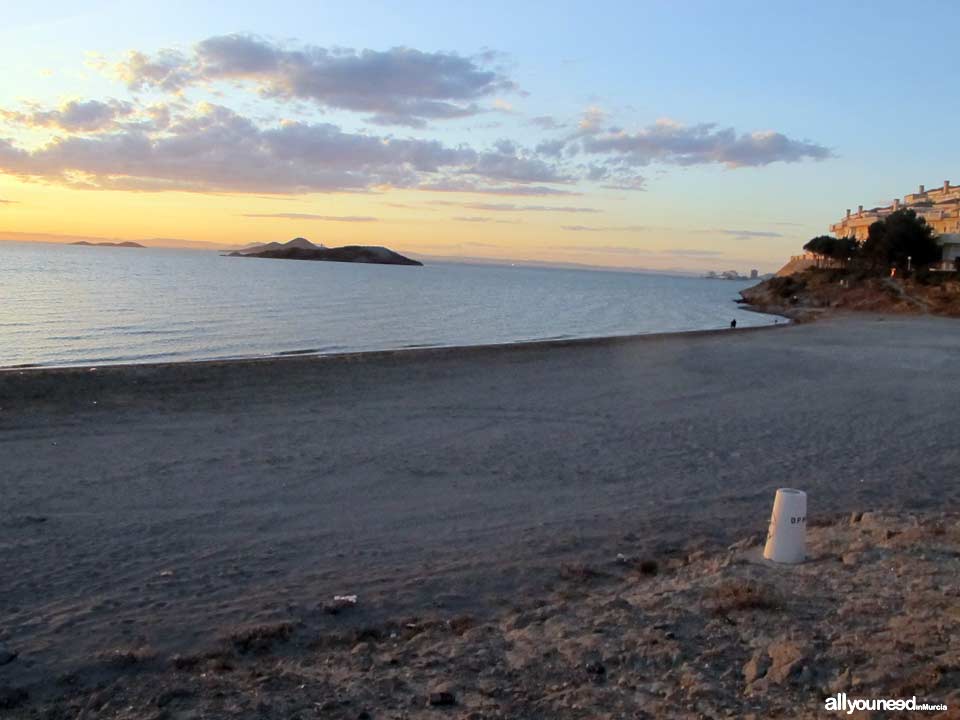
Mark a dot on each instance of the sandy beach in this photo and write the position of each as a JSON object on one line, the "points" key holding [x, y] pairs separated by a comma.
{"points": [[153, 511]]}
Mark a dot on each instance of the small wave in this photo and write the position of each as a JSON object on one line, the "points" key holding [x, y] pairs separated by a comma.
{"points": [[152, 332], [325, 350], [308, 351]]}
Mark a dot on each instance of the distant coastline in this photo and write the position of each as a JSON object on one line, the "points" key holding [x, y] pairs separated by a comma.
{"points": [[126, 244]]}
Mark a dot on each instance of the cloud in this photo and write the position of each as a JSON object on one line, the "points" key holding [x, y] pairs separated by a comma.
{"points": [[511, 207], [552, 148], [738, 234], [692, 252], [591, 120], [399, 86], [594, 228], [217, 150], [610, 155], [629, 250], [460, 185], [74, 116], [746, 234], [214, 149], [171, 145], [408, 206], [545, 122], [635, 182], [168, 70], [310, 216], [475, 219], [609, 249], [507, 161], [9, 202], [669, 142]]}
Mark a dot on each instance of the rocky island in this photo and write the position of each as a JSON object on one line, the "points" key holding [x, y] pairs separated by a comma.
{"points": [[127, 244], [303, 249]]}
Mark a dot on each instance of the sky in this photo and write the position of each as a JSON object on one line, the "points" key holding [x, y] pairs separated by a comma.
{"points": [[670, 136]]}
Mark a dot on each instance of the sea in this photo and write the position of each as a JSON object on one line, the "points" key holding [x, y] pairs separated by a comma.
{"points": [[63, 305]]}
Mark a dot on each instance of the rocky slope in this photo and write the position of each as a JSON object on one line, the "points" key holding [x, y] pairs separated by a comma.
{"points": [[297, 242], [806, 295], [874, 612]]}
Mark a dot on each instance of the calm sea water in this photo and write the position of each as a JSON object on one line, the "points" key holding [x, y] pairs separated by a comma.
{"points": [[63, 305]]}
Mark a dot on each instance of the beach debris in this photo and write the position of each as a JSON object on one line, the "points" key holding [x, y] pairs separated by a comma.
{"points": [[172, 695], [25, 520], [851, 558], [121, 658], [6, 656], [442, 694], [649, 567], [12, 697], [786, 659], [259, 639], [744, 543], [595, 667], [579, 572], [460, 624], [756, 667], [340, 603], [737, 595]]}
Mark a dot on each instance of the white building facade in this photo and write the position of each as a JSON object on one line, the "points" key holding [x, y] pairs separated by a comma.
{"points": [[940, 208]]}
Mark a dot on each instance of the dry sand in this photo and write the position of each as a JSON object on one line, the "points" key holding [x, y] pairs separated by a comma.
{"points": [[154, 511]]}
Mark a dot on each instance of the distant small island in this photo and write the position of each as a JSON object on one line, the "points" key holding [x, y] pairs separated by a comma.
{"points": [[303, 249], [127, 244]]}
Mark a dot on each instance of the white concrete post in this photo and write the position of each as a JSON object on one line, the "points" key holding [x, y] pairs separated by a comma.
{"points": [[787, 536]]}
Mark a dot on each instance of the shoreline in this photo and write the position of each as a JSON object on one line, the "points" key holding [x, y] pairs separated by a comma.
{"points": [[152, 512], [597, 340]]}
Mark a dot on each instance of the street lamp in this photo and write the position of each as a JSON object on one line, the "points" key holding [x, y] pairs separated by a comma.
{"points": [[909, 258]]}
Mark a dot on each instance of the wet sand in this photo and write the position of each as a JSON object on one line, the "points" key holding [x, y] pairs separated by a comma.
{"points": [[157, 508]]}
